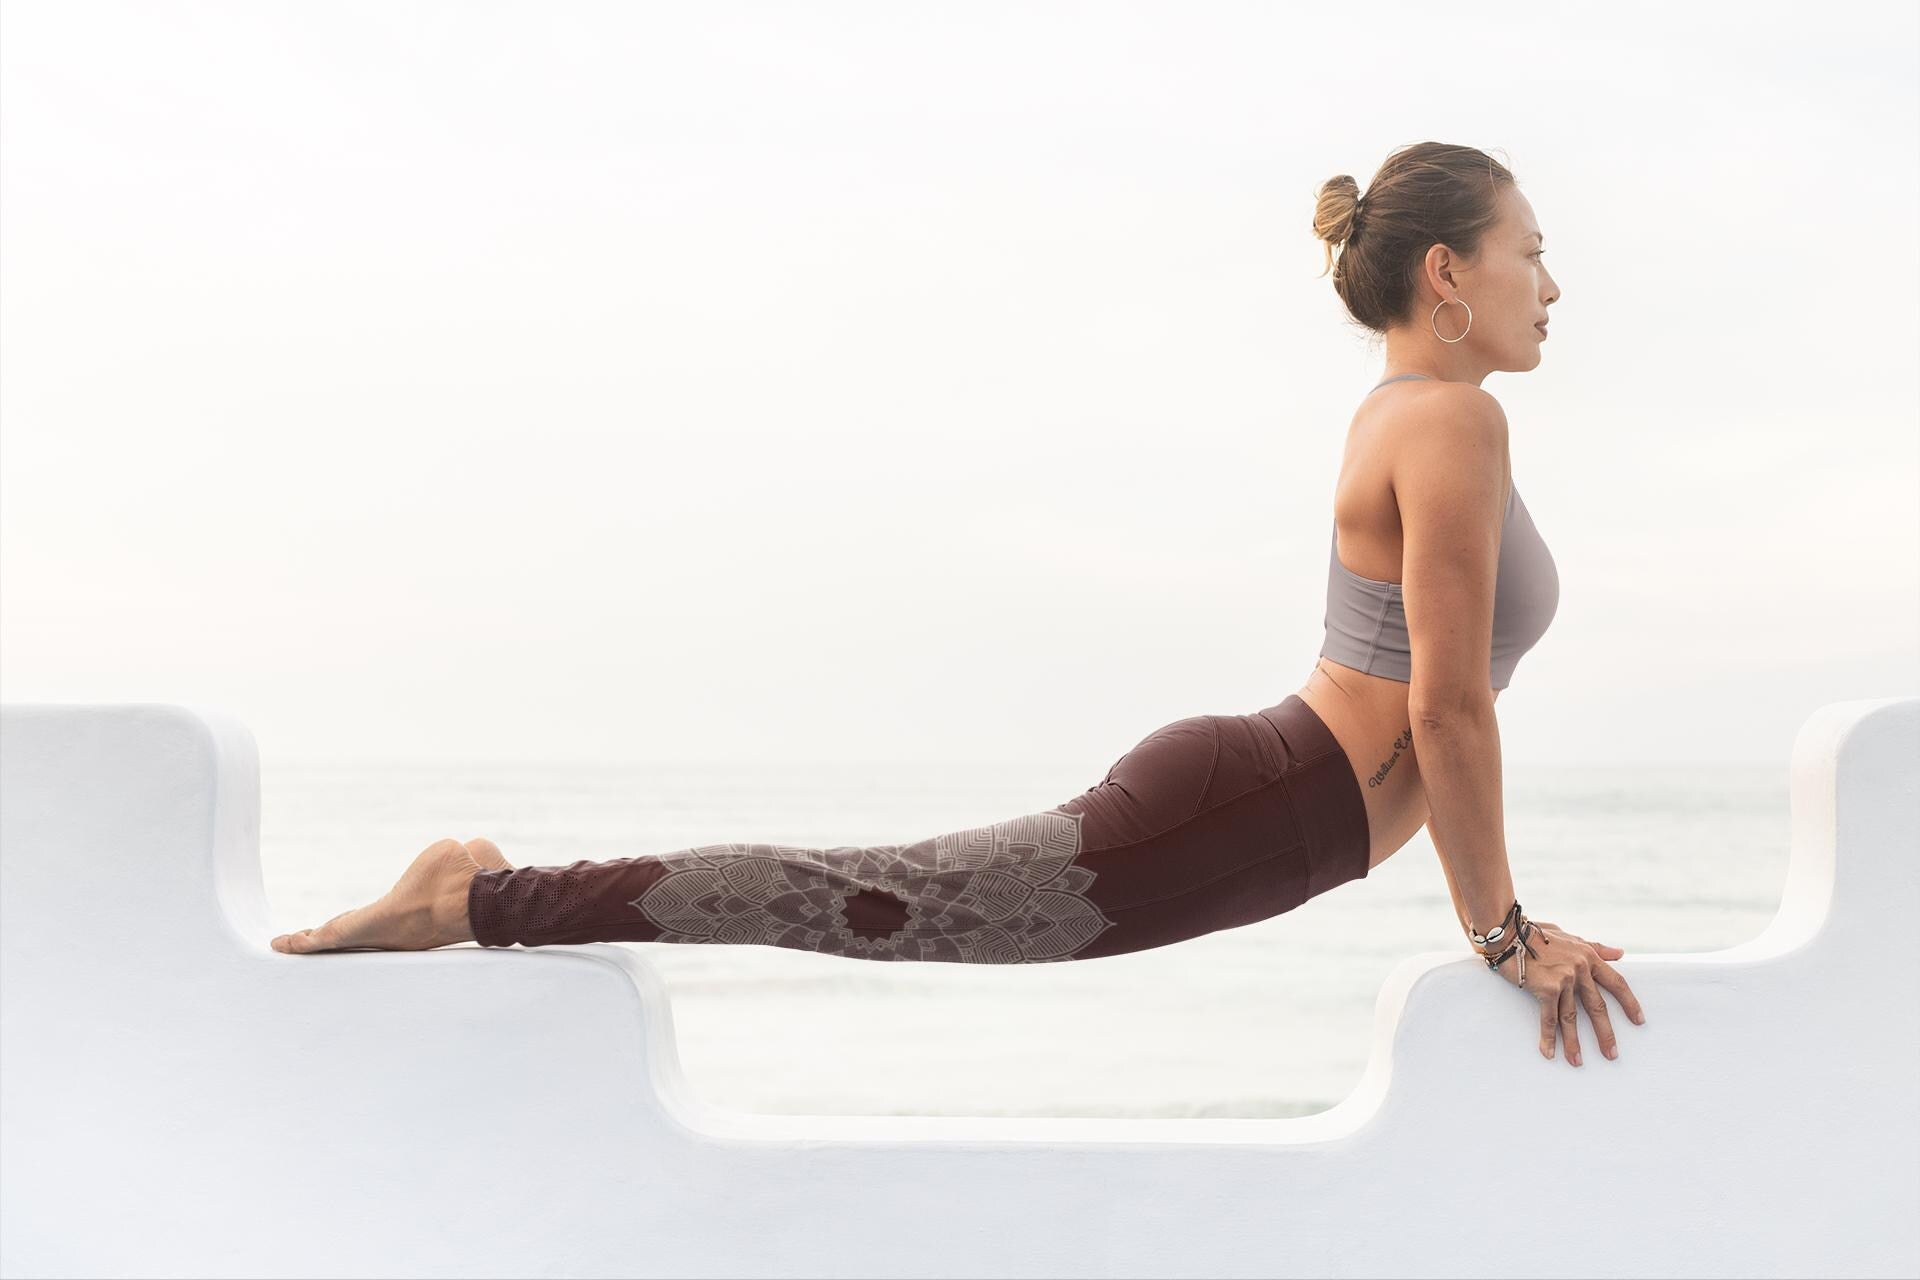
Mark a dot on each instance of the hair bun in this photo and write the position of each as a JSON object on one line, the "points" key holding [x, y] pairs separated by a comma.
{"points": [[1424, 194], [1333, 214]]}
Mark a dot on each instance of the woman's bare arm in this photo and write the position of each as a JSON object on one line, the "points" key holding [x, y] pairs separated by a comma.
{"points": [[1453, 888], [1450, 482]]}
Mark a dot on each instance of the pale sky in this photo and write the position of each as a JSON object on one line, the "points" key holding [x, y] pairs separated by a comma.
{"points": [[616, 382]]}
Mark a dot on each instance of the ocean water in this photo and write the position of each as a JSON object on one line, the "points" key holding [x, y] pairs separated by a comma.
{"points": [[1273, 1019]]}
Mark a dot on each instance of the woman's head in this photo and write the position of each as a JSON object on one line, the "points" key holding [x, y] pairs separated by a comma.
{"points": [[1440, 225]]}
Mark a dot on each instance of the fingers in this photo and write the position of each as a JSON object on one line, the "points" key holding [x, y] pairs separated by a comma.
{"points": [[1597, 1014], [1609, 977], [1591, 976], [1570, 1021]]}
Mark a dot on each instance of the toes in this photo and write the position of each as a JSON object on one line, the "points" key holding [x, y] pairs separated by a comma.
{"points": [[406, 917], [344, 930]]}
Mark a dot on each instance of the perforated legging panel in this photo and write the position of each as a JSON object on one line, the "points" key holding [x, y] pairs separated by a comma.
{"points": [[1208, 823]]}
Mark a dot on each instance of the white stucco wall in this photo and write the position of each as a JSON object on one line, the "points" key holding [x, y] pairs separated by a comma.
{"points": [[178, 1099]]}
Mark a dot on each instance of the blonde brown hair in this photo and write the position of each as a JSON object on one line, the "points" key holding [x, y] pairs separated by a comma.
{"points": [[1425, 194]]}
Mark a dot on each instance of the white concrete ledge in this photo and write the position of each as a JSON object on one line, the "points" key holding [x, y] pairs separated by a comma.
{"points": [[177, 1099]]}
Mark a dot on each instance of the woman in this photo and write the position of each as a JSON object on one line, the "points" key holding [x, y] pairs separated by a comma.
{"points": [[1437, 583]]}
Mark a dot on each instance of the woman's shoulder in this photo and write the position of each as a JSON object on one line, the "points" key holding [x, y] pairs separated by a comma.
{"points": [[1442, 434], [1427, 413]]}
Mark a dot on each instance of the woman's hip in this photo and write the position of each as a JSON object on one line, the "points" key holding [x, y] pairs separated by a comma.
{"points": [[1208, 795]]}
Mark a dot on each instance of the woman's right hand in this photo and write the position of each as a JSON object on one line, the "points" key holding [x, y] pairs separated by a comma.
{"points": [[1565, 971]]}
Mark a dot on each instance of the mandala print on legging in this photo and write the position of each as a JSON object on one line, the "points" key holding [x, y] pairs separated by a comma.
{"points": [[1007, 893]]}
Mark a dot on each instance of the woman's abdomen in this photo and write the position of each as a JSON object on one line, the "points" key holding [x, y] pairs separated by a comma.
{"points": [[1369, 716]]}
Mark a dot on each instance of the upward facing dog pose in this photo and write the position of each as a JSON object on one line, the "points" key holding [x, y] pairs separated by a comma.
{"points": [[1437, 583]]}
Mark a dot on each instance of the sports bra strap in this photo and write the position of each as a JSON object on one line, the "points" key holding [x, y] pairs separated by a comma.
{"points": [[1397, 378]]}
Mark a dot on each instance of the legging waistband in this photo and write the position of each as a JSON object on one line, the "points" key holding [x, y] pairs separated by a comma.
{"points": [[1326, 793]]}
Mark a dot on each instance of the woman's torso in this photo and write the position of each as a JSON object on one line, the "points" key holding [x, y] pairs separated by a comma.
{"points": [[1368, 714]]}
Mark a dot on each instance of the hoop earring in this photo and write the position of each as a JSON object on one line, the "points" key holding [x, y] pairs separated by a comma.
{"points": [[1436, 312]]}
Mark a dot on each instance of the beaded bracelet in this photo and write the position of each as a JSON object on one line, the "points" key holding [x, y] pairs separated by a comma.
{"points": [[1498, 931], [1523, 932], [1515, 926]]}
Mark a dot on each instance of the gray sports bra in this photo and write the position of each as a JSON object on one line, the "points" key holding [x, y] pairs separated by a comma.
{"points": [[1366, 622]]}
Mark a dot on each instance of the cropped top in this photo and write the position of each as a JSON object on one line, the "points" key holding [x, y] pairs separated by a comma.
{"points": [[1366, 620]]}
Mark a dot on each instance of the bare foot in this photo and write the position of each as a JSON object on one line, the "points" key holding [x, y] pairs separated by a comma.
{"points": [[427, 908]]}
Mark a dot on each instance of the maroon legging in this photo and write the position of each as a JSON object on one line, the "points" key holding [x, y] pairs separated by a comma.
{"points": [[1211, 822]]}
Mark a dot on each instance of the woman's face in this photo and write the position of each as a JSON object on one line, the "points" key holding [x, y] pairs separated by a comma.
{"points": [[1509, 289]]}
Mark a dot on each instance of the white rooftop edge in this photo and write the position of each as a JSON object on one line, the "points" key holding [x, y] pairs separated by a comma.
{"points": [[178, 1099]]}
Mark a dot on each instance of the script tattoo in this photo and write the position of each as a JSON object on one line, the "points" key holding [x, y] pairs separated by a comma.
{"points": [[1400, 744]]}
